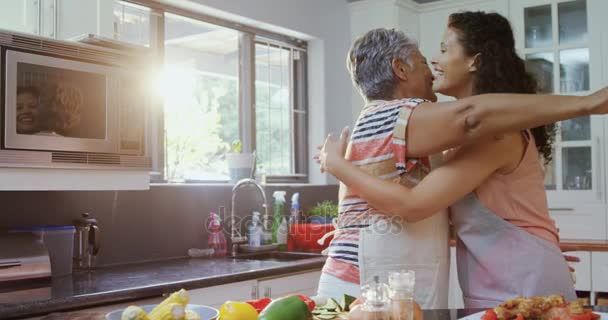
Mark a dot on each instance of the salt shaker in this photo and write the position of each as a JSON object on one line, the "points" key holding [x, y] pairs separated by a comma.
{"points": [[376, 302], [401, 294]]}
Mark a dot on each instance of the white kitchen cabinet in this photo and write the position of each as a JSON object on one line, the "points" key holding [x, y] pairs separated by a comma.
{"points": [[561, 41], [303, 283], [599, 268], [582, 271], [216, 296]]}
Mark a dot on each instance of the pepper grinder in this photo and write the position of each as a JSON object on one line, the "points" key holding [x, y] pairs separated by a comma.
{"points": [[86, 242]]}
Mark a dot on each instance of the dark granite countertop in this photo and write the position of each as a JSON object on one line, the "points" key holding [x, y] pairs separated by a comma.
{"points": [[138, 281]]}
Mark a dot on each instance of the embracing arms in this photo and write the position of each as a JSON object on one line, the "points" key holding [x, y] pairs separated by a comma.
{"points": [[460, 122]]}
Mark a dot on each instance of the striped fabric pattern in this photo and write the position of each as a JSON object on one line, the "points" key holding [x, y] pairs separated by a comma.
{"points": [[378, 146]]}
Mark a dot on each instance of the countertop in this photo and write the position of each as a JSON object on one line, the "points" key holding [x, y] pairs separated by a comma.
{"points": [[574, 245], [428, 314], [583, 245], [137, 281]]}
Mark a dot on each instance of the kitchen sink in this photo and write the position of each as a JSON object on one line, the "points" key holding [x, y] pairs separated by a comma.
{"points": [[277, 256]]}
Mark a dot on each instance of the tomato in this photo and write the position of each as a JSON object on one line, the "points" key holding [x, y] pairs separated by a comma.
{"points": [[489, 315], [309, 302], [260, 304]]}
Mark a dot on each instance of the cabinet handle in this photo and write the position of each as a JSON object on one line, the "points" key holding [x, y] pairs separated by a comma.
{"points": [[254, 292], [561, 209], [598, 175], [267, 292]]}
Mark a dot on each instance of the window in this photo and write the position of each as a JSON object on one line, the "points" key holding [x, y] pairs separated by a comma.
{"points": [[274, 139], [220, 81], [200, 90], [207, 71]]}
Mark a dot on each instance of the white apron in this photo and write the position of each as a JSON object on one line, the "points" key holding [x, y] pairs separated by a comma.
{"points": [[498, 260], [390, 245]]}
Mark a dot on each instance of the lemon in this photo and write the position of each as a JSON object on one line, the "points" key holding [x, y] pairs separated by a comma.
{"points": [[232, 310]]}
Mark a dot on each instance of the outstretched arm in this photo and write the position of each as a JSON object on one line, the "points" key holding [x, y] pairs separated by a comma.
{"points": [[466, 120], [471, 165]]}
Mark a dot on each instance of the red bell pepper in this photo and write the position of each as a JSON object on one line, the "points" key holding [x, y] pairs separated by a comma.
{"points": [[260, 304], [309, 302]]}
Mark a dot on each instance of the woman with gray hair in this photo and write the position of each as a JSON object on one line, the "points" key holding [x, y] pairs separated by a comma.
{"points": [[374, 236]]}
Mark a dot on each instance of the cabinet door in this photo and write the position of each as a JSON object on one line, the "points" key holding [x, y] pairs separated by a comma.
{"points": [[20, 15], [582, 271], [302, 283], [599, 271], [217, 295], [560, 41]]}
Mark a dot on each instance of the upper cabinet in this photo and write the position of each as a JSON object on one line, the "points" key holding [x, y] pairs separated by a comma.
{"points": [[561, 42]]}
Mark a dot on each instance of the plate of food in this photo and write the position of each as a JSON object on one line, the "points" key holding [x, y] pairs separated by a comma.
{"points": [[176, 306], [552, 307]]}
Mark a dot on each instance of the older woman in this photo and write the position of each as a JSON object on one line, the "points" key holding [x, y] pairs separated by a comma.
{"points": [[394, 79]]}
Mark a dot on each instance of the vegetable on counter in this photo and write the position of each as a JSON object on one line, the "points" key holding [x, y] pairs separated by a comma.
{"points": [[234, 310], [309, 302], [332, 309], [172, 308], [260, 304], [171, 311], [134, 313], [287, 308]]}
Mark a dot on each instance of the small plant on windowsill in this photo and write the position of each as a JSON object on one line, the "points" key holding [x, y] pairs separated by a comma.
{"points": [[323, 212]]}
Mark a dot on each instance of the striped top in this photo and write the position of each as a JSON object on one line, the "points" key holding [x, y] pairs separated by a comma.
{"points": [[378, 147]]}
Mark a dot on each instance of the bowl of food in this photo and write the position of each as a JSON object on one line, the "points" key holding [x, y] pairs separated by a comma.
{"points": [[552, 307], [176, 306]]}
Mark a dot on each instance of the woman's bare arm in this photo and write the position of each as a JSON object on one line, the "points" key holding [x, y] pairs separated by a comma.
{"points": [[451, 124], [470, 166]]}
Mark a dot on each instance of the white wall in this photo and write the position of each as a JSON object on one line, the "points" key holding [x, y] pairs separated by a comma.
{"points": [[325, 24]]}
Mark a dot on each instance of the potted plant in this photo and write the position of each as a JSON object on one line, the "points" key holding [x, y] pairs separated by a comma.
{"points": [[323, 212], [240, 165]]}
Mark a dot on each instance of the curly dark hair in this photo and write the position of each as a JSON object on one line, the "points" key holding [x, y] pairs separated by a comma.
{"points": [[499, 68]]}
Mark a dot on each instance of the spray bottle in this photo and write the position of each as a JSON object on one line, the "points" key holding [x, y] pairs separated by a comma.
{"points": [[216, 240], [279, 232]]}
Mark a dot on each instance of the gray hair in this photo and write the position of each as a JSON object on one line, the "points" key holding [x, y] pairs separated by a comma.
{"points": [[370, 59]]}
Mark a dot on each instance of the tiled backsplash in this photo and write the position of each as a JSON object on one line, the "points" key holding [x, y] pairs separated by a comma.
{"points": [[159, 223]]}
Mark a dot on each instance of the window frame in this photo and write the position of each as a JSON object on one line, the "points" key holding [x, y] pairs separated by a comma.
{"points": [[248, 36], [297, 108]]}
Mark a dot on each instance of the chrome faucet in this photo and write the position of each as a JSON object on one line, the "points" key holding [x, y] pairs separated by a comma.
{"points": [[235, 233]]}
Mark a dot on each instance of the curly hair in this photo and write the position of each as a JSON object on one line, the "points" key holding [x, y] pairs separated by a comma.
{"points": [[499, 68], [66, 107]]}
